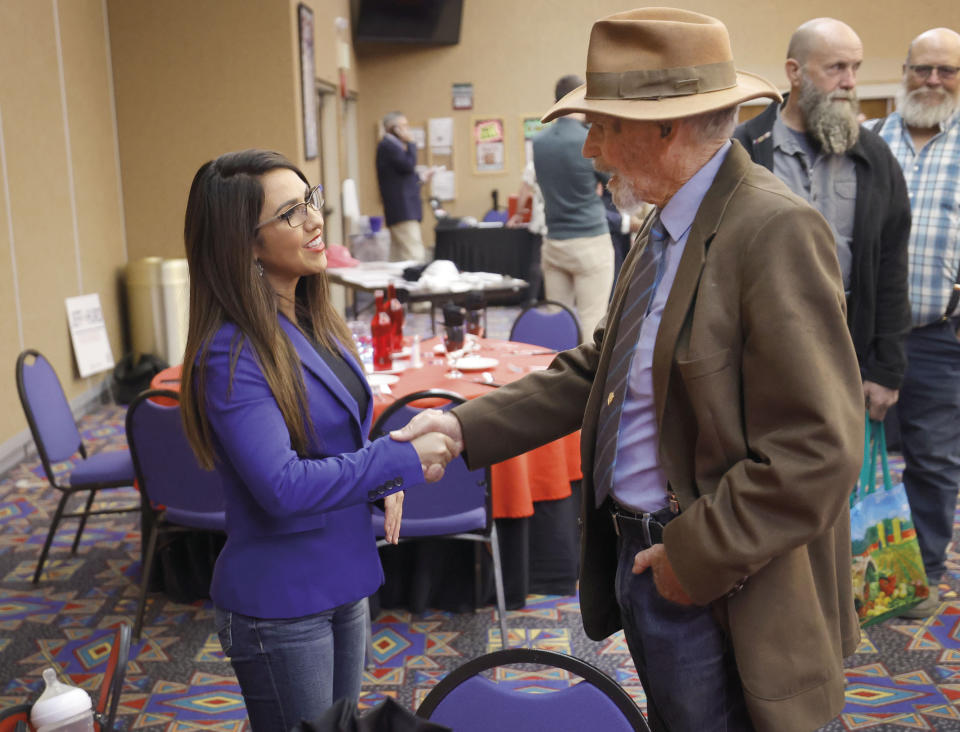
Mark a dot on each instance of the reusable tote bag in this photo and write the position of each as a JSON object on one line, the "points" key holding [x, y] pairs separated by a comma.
{"points": [[888, 575]]}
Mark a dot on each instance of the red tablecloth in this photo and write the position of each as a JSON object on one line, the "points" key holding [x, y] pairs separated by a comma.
{"points": [[169, 378], [543, 474]]}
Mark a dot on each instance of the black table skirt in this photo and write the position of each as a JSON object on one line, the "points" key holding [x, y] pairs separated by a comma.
{"points": [[540, 555], [514, 252]]}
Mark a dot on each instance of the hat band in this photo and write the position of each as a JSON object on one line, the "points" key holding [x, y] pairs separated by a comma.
{"points": [[679, 81]]}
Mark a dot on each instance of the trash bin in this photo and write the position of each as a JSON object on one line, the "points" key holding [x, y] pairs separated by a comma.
{"points": [[158, 295], [145, 306], [175, 283], [370, 242]]}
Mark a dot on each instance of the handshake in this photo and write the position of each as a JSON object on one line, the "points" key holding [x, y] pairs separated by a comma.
{"points": [[437, 438]]}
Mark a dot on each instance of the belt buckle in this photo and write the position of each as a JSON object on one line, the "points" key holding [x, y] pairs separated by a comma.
{"points": [[645, 525]]}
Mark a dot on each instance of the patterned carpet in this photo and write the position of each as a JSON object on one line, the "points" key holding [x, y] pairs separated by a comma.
{"points": [[905, 675]]}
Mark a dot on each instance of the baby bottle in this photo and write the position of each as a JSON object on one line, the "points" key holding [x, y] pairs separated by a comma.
{"points": [[61, 707]]}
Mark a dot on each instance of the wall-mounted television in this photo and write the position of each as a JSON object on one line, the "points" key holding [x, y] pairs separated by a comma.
{"points": [[430, 22]]}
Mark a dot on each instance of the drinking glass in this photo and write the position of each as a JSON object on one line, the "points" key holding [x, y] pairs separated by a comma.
{"points": [[360, 330], [453, 339]]}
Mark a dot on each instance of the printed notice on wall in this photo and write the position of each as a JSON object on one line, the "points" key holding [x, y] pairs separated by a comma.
{"points": [[443, 185], [463, 96], [440, 135], [88, 331]]}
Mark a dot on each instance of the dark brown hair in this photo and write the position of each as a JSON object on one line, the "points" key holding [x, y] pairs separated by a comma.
{"points": [[223, 209]]}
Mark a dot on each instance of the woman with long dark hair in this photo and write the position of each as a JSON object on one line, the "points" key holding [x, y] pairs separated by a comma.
{"points": [[275, 399]]}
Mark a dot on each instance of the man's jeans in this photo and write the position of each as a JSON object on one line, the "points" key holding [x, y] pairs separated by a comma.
{"points": [[683, 658], [294, 669], [929, 410]]}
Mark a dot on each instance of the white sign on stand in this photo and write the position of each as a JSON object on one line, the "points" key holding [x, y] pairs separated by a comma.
{"points": [[88, 331]]}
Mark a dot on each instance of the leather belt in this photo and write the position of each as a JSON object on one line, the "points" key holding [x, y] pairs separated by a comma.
{"points": [[648, 527]]}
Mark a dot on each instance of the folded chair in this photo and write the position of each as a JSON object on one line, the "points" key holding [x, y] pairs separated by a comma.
{"points": [[549, 324], [12, 717], [468, 702], [57, 439], [105, 711], [181, 495], [455, 507]]}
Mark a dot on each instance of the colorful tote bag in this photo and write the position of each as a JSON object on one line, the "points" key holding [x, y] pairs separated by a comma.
{"points": [[888, 574]]}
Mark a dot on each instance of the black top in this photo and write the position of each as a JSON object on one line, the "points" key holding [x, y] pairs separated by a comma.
{"points": [[348, 377]]}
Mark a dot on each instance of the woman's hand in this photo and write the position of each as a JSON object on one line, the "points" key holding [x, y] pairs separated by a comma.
{"points": [[435, 450], [392, 511]]}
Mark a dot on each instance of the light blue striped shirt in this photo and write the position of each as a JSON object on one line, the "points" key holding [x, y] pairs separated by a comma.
{"points": [[933, 183], [638, 481]]}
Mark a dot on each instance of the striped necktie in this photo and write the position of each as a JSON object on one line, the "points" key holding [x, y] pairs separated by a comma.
{"points": [[646, 277]]}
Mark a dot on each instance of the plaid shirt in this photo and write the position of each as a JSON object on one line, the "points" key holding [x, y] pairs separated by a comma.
{"points": [[933, 182]]}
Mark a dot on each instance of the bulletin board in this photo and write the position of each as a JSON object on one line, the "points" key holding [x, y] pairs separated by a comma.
{"points": [[488, 145], [530, 125]]}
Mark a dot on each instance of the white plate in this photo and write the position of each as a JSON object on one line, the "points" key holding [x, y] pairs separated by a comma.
{"points": [[382, 378], [398, 368], [476, 363]]}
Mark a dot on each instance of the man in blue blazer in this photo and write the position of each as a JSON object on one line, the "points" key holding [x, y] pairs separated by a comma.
{"points": [[400, 188]]}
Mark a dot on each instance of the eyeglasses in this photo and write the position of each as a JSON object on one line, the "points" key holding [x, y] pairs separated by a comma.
{"points": [[296, 215], [923, 71]]}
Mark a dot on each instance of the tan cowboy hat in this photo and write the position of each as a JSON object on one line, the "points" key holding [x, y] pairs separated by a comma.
{"points": [[660, 63]]}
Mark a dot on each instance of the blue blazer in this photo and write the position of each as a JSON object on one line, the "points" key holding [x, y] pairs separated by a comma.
{"points": [[299, 536], [399, 182]]}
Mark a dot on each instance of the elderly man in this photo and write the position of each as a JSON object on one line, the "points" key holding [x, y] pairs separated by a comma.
{"points": [[815, 145], [400, 188], [720, 401], [924, 135]]}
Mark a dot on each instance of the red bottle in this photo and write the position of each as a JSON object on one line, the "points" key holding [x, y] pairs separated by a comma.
{"points": [[395, 309], [382, 332]]}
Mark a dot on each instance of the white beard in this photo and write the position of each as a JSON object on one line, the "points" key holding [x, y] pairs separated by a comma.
{"points": [[624, 193], [918, 111], [624, 197], [829, 120]]}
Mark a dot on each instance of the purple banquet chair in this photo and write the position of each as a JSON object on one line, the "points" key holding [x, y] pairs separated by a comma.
{"points": [[57, 439], [468, 702], [182, 496], [455, 507], [547, 323]]}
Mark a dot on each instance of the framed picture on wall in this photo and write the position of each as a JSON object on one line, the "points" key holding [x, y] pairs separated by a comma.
{"points": [[307, 73], [489, 145]]}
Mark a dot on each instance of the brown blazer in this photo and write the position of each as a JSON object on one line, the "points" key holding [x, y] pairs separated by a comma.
{"points": [[760, 408]]}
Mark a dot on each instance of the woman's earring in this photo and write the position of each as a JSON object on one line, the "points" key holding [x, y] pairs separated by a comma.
{"points": [[259, 267]]}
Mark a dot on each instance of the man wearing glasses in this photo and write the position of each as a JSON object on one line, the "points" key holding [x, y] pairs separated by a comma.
{"points": [[924, 135]]}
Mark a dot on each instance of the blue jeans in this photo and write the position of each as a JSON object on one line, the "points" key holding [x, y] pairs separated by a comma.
{"points": [[684, 660], [293, 669], [929, 411]]}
